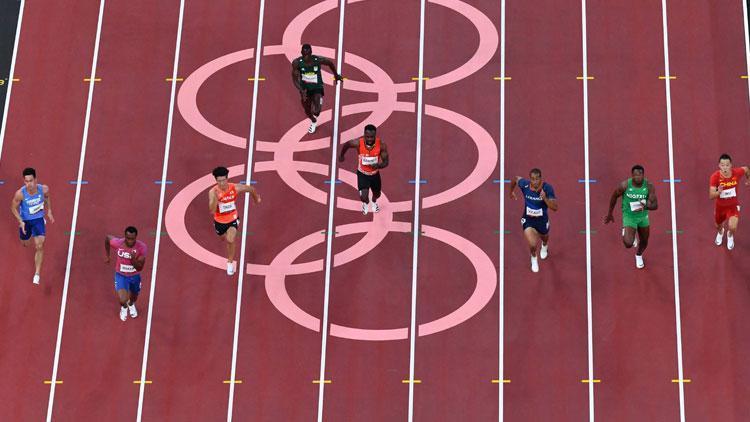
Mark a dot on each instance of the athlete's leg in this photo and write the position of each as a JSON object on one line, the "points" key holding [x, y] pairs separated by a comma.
{"points": [[643, 233], [39, 254], [532, 238], [229, 237], [317, 99], [628, 236], [732, 224], [123, 296], [306, 105]]}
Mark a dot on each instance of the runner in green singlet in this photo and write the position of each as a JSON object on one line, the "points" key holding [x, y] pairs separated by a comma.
{"points": [[638, 197], [307, 78]]}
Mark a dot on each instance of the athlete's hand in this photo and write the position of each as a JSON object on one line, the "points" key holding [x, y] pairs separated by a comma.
{"points": [[720, 188], [256, 198], [337, 78], [50, 217], [543, 195], [106, 259], [341, 158], [22, 225], [513, 194], [609, 219]]}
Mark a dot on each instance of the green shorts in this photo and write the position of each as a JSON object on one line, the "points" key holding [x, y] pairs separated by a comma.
{"points": [[635, 221]]}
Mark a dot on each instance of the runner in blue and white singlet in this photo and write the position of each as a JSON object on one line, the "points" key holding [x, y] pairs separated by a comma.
{"points": [[539, 197]]}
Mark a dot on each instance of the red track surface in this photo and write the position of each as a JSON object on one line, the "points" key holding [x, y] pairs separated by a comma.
{"points": [[545, 342]]}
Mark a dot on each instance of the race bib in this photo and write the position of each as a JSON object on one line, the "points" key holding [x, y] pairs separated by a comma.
{"points": [[534, 212], [36, 208], [225, 207], [728, 193], [127, 268], [310, 77], [368, 161], [636, 206]]}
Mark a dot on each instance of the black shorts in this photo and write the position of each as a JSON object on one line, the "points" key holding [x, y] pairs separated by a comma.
{"points": [[313, 91], [365, 182], [222, 228], [540, 224]]}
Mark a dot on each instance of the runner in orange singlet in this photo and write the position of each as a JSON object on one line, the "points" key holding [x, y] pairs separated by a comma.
{"points": [[221, 205], [723, 187], [373, 156]]}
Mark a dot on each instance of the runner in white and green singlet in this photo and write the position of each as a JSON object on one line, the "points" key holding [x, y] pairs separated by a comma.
{"points": [[308, 79], [638, 197]]}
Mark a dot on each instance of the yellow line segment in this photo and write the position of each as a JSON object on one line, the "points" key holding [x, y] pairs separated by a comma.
{"points": [[580, 78], [259, 78], [232, 382], [144, 382], [667, 77], [498, 78], [409, 382], [591, 381], [321, 382], [48, 382], [683, 381], [498, 381]]}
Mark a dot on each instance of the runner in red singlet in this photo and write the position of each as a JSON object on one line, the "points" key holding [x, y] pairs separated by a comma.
{"points": [[221, 205], [723, 187], [373, 156]]}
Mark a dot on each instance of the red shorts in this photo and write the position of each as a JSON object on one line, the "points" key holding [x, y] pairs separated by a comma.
{"points": [[722, 214]]}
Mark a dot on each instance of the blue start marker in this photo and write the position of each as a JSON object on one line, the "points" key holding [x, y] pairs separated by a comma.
{"points": [[75, 182], [669, 180], [166, 182], [421, 181], [252, 182], [584, 180], [328, 182], [498, 181]]}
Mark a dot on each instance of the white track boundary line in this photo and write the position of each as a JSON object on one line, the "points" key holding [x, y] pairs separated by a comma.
{"points": [[160, 221], [587, 176], [11, 75], [675, 261], [501, 269], [71, 242], [331, 207], [417, 205], [248, 174], [747, 44]]}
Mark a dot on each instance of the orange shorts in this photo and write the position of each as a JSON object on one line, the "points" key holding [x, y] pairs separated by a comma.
{"points": [[722, 214]]}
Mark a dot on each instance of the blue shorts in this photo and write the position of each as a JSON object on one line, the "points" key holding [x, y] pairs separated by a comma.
{"points": [[540, 224], [33, 228], [131, 283]]}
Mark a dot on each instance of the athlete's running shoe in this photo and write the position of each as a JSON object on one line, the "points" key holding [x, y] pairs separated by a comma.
{"points": [[543, 252], [719, 237], [365, 208], [35, 280], [374, 206], [730, 241], [534, 264], [312, 127], [133, 311], [123, 313], [231, 267], [639, 262]]}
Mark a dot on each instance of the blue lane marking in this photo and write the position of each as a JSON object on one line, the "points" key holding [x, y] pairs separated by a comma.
{"points": [[2, 182], [669, 180], [497, 181], [328, 182], [584, 180], [252, 182], [166, 182], [75, 182], [421, 181]]}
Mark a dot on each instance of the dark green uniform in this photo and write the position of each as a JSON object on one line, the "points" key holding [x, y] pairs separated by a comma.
{"points": [[311, 78], [634, 212]]}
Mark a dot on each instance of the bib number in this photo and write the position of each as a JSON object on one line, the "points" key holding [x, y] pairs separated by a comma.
{"points": [[728, 193], [636, 206], [368, 161], [534, 212], [310, 78], [225, 207], [127, 268]]}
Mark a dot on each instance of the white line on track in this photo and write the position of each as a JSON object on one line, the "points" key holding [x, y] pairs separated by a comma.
{"points": [[501, 269], [11, 75], [587, 176], [416, 206], [747, 44], [675, 261], [248, 174], [71, 242], [331, 207], [160, 220]]}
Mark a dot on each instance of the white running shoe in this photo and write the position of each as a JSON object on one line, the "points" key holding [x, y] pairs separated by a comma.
{"points": [[231, 267], [365, 208], [719, 237], [374, 206], [730, 241], [639, 262], [312, 127], [35, 280], [543, 253], [133, 311], [123, 313], [534, 264]]}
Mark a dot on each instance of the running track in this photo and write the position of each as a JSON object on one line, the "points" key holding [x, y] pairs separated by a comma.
{"points": [[457, 318]]}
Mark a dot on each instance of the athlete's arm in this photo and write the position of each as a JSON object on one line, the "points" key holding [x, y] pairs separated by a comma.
{"points": [[330, 64], [296, 78], [108, 238], [651, 203], [746, 169], [613, 201], [14, 204], [212, 201], [383, 157], [551, 202], [348, 144], [513, 184], [48, 204], [138, 261], [249, 189]]}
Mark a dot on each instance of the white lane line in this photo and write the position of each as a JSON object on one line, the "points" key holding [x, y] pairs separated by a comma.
{"points": [[11, 76], [248, 175], [416, 205], [747, 44], [160, 219], [73, 224], [675, 261], [331, 206], [501, 271], [587, 176]]}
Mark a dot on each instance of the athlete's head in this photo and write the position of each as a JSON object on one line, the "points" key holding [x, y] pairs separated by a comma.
{"points": [[370, 131], [637, 173], [725, 163], [131, 233], [306, 50], [221, 174], [29, 178], [535, 178]]}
